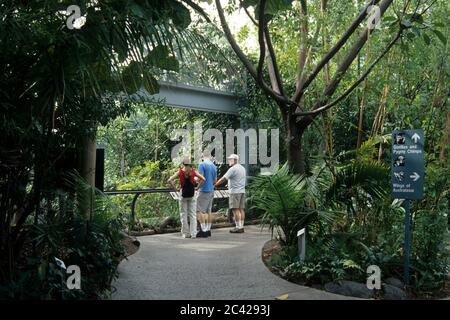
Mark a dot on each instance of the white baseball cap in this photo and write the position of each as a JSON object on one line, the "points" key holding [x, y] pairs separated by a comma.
{"points": [[233, 156]]}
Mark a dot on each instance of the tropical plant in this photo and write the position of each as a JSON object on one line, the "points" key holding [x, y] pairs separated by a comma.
{"points": [[58, 84], [429, 240], [62, 232], [286, 202], [330, 258], [370, 229]]}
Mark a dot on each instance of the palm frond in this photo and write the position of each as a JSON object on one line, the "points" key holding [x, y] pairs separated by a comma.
{"points": [[288, 201], [90, 199], [372, 177]]}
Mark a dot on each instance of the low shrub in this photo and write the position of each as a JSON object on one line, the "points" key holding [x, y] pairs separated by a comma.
{"points": [[63, 232], [367, 226]]}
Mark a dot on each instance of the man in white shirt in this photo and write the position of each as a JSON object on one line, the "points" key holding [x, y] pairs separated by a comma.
{"points": [[236, 177]]}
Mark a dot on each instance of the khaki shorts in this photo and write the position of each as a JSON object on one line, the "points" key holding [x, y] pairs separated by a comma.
{"points": [[237, 201], [205, 202]]}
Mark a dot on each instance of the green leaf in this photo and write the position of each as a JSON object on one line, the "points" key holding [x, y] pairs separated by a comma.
{"points": [[410, 35], [439, 24], [159, 57], [441, 36], [416, 31], [249, 3], [406, 23], [350, 264], [119, 43], [272, 6], [170, 63], [150, 84], [426, 39], [158, 53], [389, 19], [137, 10], [180, 15], [132, 77]]}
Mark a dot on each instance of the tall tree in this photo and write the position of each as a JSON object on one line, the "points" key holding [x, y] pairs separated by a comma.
{"points": [[298, 107]]}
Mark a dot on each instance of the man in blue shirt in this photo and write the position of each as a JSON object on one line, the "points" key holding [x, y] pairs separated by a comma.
{"points": [[206, 194]]}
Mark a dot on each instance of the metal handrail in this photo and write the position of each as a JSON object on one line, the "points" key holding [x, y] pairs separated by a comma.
{"points": [[137, 193]]}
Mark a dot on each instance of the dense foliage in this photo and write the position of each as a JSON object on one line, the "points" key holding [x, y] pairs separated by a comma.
{"points": [[313, 58], [56, 85], [60, 87], [363, 226], [64, 233]]}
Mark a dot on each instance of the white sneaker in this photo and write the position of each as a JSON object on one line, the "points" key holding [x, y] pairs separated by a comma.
{"points": [[186, 236]]}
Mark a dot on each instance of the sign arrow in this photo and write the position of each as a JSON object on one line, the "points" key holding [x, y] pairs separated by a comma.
{"points": [[407, 177], [415, 138], [414, 176]]}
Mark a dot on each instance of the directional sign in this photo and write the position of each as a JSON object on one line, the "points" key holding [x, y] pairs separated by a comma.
{"points": [[407, 164]]}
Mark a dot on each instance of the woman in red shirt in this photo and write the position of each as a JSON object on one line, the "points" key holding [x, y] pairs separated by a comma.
{"points": [[186, 176]]}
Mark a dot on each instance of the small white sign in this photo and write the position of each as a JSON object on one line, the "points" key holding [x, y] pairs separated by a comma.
{"points": [[300, 232]]}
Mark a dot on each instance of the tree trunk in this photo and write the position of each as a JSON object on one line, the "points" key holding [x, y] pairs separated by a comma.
{"points": [[295, 153], [88, 160], [362, 103], [361, 119]]}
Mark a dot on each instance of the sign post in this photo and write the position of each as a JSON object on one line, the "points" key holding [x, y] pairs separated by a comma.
{"points": [[301, 244], [407, 178], [406, 244]]}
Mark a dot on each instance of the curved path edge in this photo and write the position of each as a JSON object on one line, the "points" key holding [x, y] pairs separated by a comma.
{"points": [[223, 267]]}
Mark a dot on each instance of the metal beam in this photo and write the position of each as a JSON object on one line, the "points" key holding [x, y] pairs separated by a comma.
{"points": [[194, 98]]}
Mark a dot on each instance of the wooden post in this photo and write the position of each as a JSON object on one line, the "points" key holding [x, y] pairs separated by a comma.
{"points": [[88, 157]]}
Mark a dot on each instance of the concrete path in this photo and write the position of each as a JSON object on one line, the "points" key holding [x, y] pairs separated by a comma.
{"points": [[225, 266]]}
